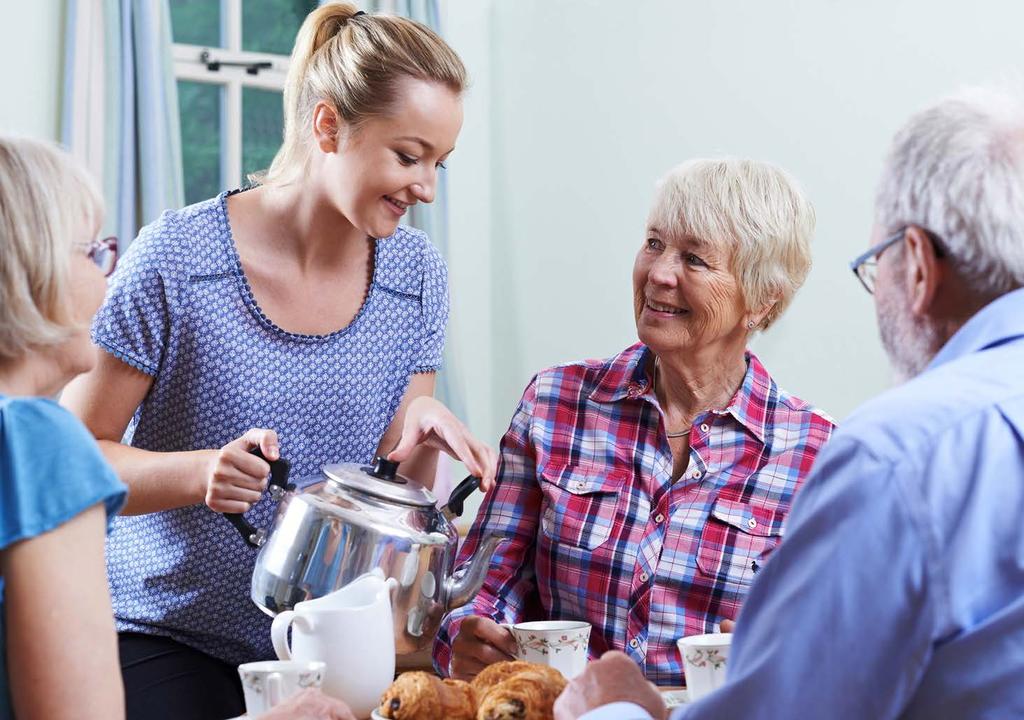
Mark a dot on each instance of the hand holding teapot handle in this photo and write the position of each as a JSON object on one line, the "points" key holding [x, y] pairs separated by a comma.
{"points": [[279, 469]]}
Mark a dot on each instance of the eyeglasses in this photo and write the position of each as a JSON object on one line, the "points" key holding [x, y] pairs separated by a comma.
{"points": [[102, 252], [865, 266]]}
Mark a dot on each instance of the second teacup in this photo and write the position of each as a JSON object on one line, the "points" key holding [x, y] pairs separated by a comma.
{"points": [[271, 682], [704, 661], [561, 644]]}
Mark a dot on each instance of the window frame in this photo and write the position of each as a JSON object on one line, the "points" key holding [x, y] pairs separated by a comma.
{"points": [[232, 80]]}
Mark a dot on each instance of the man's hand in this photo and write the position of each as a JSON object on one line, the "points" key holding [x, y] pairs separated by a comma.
{"points": [[480, 642], [727, 626], [309, 704], [613, 678]]}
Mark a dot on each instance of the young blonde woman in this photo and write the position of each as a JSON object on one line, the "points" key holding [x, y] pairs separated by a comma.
{"points": [[298, 317]]}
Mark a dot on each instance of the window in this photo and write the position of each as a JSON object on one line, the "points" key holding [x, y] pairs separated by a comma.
{"points": [[229, 98]]}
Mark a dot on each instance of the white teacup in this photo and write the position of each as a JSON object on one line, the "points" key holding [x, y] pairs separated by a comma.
{"points": [[704, 661], [271, 682], [561, 644]]}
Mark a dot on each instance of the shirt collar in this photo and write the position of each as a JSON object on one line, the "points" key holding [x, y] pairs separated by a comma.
{"points": [[1000, 321], [625, 376], [750, 403]]}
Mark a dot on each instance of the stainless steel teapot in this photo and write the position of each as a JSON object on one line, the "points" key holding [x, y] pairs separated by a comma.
{"points": [[353, 519]]}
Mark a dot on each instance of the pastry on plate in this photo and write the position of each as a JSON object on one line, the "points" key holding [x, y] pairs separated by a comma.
{"points": [[526, 695], [424, 696], [499, 671]]}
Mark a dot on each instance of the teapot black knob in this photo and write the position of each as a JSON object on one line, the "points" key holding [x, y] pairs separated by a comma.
{"points": [[384, 469]]}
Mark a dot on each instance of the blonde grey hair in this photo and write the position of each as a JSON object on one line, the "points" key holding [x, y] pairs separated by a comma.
{"points": [[354, 63], [47, 201], [957, 169], [754, 209]]}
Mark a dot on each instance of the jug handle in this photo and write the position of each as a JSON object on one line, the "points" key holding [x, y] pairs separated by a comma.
{"points": [[456, 501], [277, 487], [279, 634]]}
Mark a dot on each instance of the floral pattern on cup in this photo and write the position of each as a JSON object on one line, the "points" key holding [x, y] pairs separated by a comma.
{"points": [[546, 646], [306, 679], [703, 658]]}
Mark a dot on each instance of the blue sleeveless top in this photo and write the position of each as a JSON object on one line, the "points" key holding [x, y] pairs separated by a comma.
{"points": [[51, 470], [180, 309]]}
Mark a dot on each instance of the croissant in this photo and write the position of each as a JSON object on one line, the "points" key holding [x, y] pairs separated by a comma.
{"points": [[423, 696], [497, 672], [517, 691]]}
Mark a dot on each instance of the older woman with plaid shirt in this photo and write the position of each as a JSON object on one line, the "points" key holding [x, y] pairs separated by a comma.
{"points": [[644, 492]]}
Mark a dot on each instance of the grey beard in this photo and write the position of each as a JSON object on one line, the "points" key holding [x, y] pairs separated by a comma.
{"points": [[910, 342]]}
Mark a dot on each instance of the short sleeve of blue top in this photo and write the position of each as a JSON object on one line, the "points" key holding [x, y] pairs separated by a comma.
{"points": [[50, 471], [180, 309]]}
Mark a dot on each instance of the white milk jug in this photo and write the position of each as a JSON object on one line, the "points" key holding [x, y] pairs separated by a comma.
{"points": [[350, 629]]}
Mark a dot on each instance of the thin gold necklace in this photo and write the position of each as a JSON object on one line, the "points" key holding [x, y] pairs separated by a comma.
{"points": [[654, 380]]}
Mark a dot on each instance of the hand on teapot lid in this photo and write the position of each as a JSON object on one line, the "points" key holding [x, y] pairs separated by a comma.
{"points": [[428, 423]]}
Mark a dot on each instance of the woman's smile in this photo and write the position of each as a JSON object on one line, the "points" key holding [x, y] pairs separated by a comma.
{"points": [[663, 310], [396, 206]]}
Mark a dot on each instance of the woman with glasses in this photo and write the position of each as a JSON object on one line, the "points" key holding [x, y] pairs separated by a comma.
{"points": [[298, 318], [56, 490]]}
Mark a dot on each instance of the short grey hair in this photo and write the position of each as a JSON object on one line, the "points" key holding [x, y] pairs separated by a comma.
{"points": [[755, 209], [47, 201], [957, 169]]}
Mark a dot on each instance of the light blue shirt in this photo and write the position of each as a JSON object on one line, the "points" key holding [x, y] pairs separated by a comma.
{"points": [[899, 589], [50, 472]]}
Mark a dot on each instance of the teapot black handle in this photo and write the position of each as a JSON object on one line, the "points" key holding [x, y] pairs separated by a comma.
{"points": [[457, 500], [278, 486]]}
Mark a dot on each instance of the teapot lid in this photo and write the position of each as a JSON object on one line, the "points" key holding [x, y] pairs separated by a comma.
{"points": [[381, 480]]}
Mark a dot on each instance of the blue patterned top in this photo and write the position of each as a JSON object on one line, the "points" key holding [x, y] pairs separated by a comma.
{"points": [[50, 472], [179, 308]]}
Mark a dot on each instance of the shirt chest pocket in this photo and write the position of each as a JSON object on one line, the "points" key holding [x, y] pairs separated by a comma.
{"points": [[580, 504], [736, 540]]}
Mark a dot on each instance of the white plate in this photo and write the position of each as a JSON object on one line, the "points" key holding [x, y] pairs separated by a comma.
{"points": [[675, 698]]}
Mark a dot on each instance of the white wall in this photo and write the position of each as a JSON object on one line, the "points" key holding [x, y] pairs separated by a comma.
{"points": [[31, 42], [590, 101]]}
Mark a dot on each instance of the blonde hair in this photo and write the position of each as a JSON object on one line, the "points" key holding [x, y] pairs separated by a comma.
{"points": [[46, 201], [754, 209], [354, 63]]}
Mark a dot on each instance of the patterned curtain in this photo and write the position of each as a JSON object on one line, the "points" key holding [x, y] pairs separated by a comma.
{"points": [[120, 109]]}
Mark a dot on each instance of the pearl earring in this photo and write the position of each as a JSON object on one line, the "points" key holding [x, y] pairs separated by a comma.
{"points": [[750, 324]]}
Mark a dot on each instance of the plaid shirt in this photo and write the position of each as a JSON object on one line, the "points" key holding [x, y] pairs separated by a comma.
{"points": [[601, 533]]}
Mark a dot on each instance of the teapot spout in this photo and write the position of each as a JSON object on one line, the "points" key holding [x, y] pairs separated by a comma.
{"points": [[462, 590]]}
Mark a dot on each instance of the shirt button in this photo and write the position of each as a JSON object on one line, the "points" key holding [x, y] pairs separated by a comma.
{"points": [[634, 643], [704, 427], [751, 523], [695, 474], [644, 577], [659, 518]]}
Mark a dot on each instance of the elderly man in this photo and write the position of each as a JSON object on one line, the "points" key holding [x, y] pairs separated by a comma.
{"points": [[899, 591]]}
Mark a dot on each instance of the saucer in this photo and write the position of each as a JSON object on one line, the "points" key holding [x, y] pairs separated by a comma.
{"points": [[675, 698]]}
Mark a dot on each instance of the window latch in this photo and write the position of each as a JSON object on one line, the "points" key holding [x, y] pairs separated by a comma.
{"points": [[214, 65]]}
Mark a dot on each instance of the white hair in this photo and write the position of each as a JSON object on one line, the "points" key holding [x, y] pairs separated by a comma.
{"points": [[957, 169], [755, 209], [47, 200]]}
